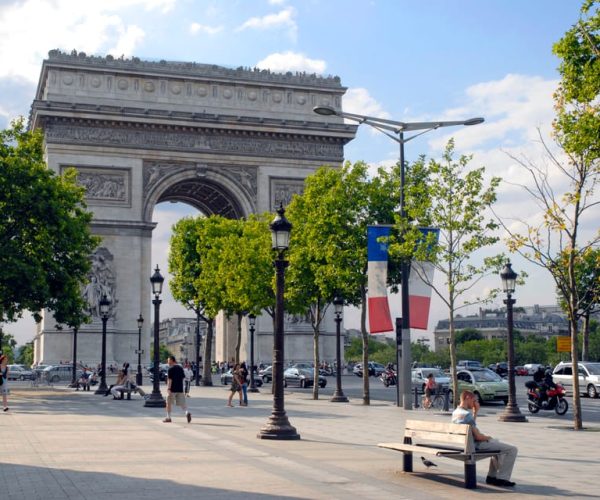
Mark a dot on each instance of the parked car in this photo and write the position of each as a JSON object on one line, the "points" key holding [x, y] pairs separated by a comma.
{"points": [[419, 377], [61, 373], [162, 373], [589, 377], [532, 368], [521, 371], [500, 368], [467, 364], [297, 377], [227, 377], [375, 369], [17, 372], [484, 383], [266, 374]]}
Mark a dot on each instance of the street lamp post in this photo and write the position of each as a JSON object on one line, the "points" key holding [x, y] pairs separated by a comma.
{"points": [[252, 324], [156, 400], [511, 412], [74, 382], [338, 395], [139, 378], [197, 346], [399, 128], [278, 425], [104, 308]]}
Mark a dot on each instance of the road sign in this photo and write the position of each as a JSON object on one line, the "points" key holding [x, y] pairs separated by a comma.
{"points": [[563, 344]]}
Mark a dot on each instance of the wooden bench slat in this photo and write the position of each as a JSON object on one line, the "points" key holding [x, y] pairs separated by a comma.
{"points": [[421, 449], [446, 427], [437, 437]]}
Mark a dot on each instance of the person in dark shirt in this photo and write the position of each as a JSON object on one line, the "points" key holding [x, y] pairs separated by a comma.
{"points": [[175, 394]]}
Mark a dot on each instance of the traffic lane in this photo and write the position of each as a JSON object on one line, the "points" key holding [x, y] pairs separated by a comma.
{"points": [[353, 389]]}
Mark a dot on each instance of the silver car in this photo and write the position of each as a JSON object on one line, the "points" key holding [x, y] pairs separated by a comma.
{"points": [[589, 377], [419, 378], [59, 373]]}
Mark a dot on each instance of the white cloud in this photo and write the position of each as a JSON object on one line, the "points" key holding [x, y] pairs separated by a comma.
{"points": [[291, 61], [196, 28], [66, 24], [282, 19], [359, 101]]}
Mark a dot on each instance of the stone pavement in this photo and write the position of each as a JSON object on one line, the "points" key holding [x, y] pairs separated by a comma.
{"points": [[61, 444]]}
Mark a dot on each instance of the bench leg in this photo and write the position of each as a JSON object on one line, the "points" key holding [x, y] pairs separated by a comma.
{"points": [[407, 461], [129, 396], [470, 476]]}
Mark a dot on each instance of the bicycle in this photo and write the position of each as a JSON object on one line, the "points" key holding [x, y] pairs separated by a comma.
{"points": [[436, 401]]}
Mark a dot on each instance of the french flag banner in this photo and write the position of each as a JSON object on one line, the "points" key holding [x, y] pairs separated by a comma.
{"points": [[380, 319], [419, 295]]}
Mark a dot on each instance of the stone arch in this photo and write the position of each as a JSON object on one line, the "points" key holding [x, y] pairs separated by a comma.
{"points": [[212, 190]]}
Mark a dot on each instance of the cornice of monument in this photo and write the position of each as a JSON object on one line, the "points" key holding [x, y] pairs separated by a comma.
{"points": [[135, 116], [192, 69]]}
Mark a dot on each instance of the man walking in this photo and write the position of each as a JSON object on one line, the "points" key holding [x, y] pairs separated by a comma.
{"points": [[501, 466], [175, 394]]}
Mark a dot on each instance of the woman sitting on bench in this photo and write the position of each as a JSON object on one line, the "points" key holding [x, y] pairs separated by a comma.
{"points": [[120, 386]]}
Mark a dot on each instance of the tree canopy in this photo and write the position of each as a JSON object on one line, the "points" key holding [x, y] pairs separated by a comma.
{"points": [[45, 240]]}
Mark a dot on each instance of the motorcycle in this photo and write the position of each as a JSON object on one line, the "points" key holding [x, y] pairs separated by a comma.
{"points": [[555, 399], [388, 377]]}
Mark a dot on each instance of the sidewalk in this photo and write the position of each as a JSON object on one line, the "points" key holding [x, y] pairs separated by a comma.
{"points": [[61, 444]]}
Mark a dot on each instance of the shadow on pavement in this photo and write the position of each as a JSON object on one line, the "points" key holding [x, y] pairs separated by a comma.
{"points": [[22, 481]]}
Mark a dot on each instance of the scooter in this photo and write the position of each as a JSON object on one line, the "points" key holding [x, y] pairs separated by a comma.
{"points": [[388, 377], [555, 399]]}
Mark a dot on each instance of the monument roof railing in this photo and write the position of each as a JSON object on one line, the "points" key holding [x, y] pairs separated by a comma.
{"points": [[193, 69]]}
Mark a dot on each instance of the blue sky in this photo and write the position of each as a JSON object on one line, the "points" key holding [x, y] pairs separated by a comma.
{"points": [[399, 59]]}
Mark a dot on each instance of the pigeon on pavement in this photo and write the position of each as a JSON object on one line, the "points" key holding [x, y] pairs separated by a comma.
{"points": [[428, 463]]}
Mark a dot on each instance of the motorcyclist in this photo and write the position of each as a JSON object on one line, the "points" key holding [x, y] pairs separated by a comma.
{"points": [[544, 380]]}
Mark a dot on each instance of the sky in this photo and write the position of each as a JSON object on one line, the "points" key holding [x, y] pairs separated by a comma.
{"points": [[401, 60]]}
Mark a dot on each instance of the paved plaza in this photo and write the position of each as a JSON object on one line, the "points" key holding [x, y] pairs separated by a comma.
{"points": [[61, 444]]}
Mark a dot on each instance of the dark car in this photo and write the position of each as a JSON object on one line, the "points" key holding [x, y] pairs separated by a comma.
{"points": [[227, 377], [266, 374], [297, 377], [163, 368]]}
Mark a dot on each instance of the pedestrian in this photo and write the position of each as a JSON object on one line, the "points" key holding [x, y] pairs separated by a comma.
{"points": [[501, 465], [4, 381], [236, 385], [188, 372], [244, 381], [175, 394], [430, 387]]}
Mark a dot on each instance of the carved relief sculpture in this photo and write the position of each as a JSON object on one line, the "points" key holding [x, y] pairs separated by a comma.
{"points": [[102, 281]]}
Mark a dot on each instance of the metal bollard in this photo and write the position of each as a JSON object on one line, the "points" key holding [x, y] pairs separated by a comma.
{"points": [[446, 400], [416, 397]]}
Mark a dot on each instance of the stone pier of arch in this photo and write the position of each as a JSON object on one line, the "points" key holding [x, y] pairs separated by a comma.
{"points": [[225, 141]]}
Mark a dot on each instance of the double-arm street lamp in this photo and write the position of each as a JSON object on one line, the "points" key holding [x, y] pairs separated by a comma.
{"points": [[278, 425], [139, 380], [511, 413], [156, 400], [104, 310], [252, 324], [338, 395], [399, 128]]}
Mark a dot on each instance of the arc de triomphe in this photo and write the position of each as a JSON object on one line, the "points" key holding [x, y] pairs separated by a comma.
{"points": [[225, 141]]}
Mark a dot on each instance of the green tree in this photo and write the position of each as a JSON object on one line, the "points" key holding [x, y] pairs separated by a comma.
{"points": [[467, 334], [163, 353], [328, 244], [25, 356], [449, 196], [7, 344], [45, 239], [577, 132]]}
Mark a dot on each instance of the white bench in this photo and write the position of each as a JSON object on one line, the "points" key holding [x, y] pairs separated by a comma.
{"points": [[448, 440]]}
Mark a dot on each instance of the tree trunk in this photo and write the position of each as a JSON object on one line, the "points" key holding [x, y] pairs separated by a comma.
{"points": [[453, 357], [238, 341], [585, 351], [316, 330], [206, 369], [365, 346]]}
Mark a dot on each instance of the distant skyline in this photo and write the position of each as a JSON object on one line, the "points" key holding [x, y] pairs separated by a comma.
{"points": [[407, 61]]}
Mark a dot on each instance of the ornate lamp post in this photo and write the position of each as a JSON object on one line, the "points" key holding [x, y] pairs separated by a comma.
{"points": [[156, 400], [104, 308], [278, 426], [338, 395], [139, 379], [252, 323], [399, 128], [511, 413]]}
